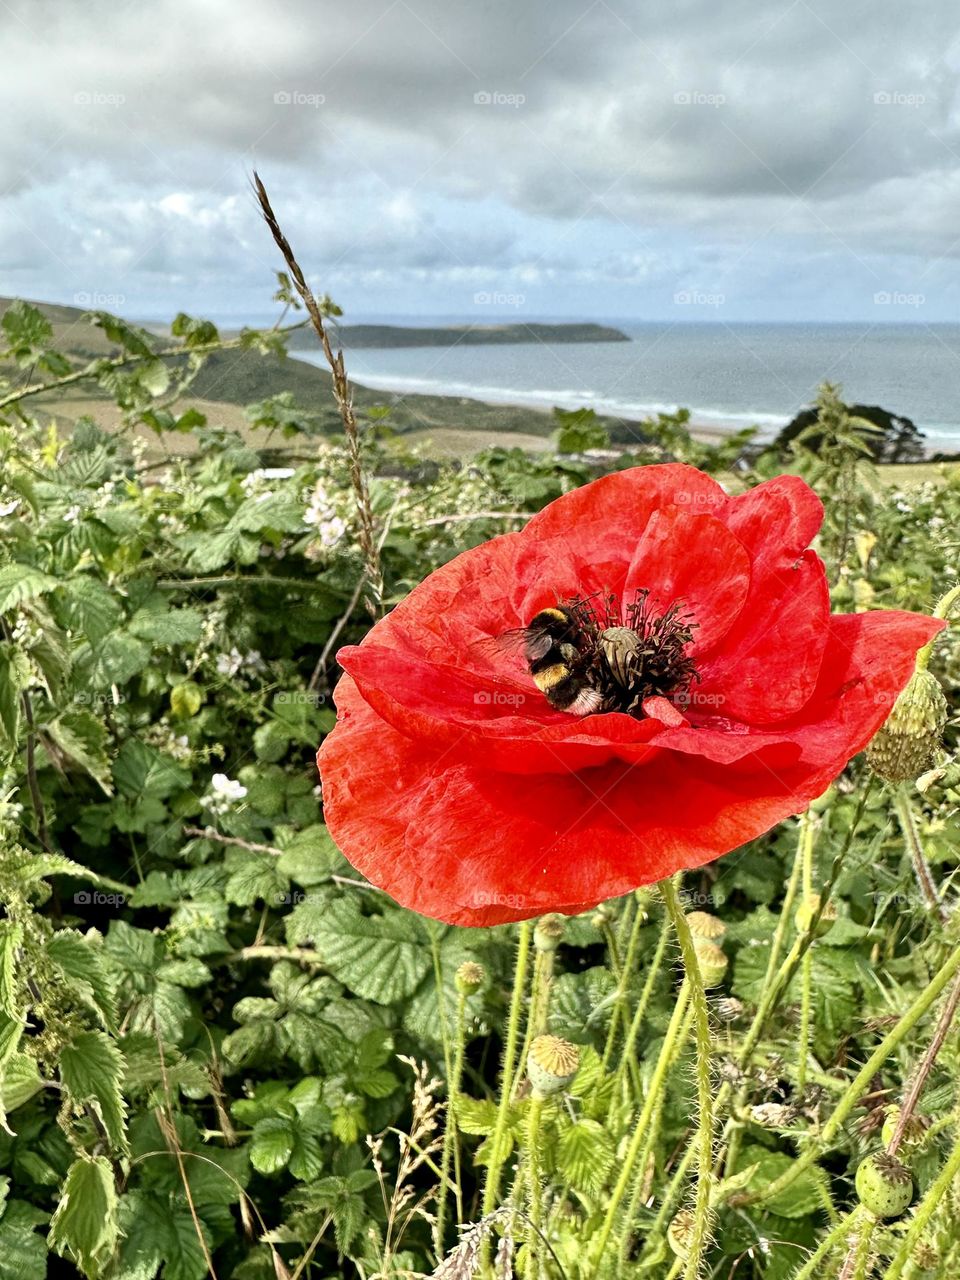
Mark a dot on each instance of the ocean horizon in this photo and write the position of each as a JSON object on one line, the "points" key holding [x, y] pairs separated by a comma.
{"points": [[729, 375]]}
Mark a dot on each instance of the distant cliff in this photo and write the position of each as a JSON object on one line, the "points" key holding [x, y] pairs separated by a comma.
{"points": [[483, 335]]}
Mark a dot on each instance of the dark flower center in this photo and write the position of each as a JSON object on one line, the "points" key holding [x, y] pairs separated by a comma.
{"points": [[629, 653]]}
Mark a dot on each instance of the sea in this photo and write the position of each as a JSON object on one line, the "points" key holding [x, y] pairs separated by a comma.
{"points": [[728, 375]]}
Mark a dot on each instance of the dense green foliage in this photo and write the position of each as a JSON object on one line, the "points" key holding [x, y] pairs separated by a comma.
{"points": [[211, 1033]]}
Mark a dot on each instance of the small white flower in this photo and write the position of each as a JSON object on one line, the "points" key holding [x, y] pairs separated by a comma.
{"points": [[331, 531], [8, 508], [72, 515]]}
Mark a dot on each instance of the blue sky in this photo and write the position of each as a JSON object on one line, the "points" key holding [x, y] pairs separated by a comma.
{"points": [[785, 161]]}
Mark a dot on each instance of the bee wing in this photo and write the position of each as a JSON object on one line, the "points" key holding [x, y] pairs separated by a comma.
{"points": [[508, 642]]}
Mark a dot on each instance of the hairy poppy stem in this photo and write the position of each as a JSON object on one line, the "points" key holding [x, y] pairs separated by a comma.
{"points": [[640, 1014], [450, 1144], [807, 840], [942, 610], [813, 1267], [491, 1190], [911, 838], [642, 1127], [701, 1017]]}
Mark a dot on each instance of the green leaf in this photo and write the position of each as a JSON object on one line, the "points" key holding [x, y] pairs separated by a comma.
{"points": [[82, 737], [380, 957], [91, 1068], [81, 963], [170, 626], [310, 857], [23, 1253], [804, 1196], [141, 770], [20, 582], [272, 1144], [84, 1226], [14, 678], [585, 1155], [87, 606], [19, 1082], [11, 939]]}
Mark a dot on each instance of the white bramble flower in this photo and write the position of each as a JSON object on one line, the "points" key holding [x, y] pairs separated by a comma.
{"points": [[331, 531], [224, 794], [72, 515], [8, 508]]}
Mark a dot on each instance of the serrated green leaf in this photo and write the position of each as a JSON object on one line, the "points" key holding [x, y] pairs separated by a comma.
{"points": [[272, 1144], [380, 957], [23, 1253], [84, 1226], [81, 963], [91, 1068], [167, 626], [585, 1155], [20, 582]]}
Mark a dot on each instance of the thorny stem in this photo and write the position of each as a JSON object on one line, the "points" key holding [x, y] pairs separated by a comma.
{"points": [[859, 1085], [924, 1212], [491, 1190], [911, 837], [701, 1018], [926, 1066], [342, 394]]}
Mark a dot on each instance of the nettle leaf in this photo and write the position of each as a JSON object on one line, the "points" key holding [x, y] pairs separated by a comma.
{"points": [[381, 957], [83, 739], [91, 1068], [81, 964], [19, 1082], [20, 582], [84, 1226], [11, 939], [15, 676], [585, 1155]]}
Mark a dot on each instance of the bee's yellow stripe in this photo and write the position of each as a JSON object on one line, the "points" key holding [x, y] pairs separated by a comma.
{"points": [[558, 614], [550, 677]]}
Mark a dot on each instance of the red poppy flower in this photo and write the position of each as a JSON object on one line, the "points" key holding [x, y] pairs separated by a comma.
{"points": [[451, 781]]}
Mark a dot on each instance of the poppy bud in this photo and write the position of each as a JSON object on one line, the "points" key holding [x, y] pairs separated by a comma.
{"points": [[551, 1064], [680, 1232], [469, 977], [713, 963], [548, 933], [703, 925], [884, 1185], [804, 914], [906, 744]]}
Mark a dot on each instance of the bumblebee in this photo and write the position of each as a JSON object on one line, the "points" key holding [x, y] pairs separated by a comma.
{"points": [[586, 656], [559, 652]]}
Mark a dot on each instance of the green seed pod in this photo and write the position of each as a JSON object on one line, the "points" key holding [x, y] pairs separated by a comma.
{"points": [[713, 962], [703, 925], [680, 1233], [907, 743], [548, 932], [884, 1185], [551, 1064], [470, 977], [803, 916]]}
